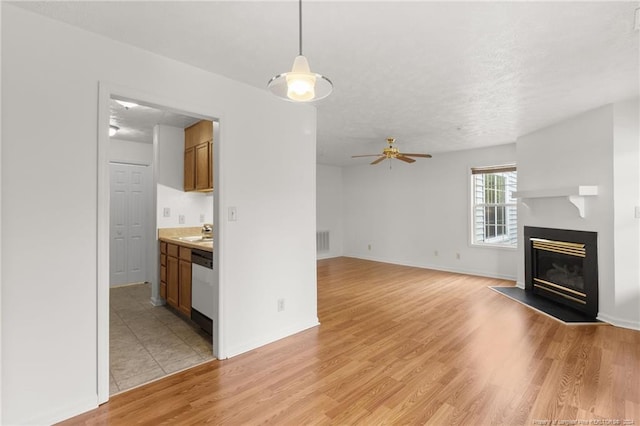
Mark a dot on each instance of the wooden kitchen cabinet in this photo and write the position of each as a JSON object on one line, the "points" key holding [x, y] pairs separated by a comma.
{"points": [[203, 167], [163, 275], [184, 300], [198, 157], [190, 169], [198, 133], [163, 270], [175, 276], [173, 281]]}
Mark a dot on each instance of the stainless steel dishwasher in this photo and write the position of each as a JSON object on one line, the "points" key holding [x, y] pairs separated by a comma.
{"points": [[202, 289]]}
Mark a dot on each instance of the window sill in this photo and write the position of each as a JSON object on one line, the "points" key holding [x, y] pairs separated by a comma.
{"points": [[495, 246]]}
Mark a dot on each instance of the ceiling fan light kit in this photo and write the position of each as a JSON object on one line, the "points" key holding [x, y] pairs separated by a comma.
{"points": [[300, 84], [391, 152]]}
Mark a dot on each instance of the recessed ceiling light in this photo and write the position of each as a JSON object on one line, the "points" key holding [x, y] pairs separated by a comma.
{"points": [[127, 104], [113, 129]]}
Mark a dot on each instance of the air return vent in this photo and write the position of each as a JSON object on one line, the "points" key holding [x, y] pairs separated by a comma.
{"points": [[322, 241]]}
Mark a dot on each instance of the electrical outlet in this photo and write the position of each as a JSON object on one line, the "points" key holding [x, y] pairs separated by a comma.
{"points": [[369, 247], [166, 212], [458, 256], [637, 214], [181, 219], [435, 253], [280, 305]]}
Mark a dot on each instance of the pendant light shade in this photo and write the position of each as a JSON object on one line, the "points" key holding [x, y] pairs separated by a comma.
{"points": [[300, 84]]}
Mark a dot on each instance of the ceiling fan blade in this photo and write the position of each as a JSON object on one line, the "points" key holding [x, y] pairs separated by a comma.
{"points": [[382, 157], [367, 155], [417, 155], [402, 157]]}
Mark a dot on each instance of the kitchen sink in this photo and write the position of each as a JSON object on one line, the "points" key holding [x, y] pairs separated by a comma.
{"points": [[195, 239]]}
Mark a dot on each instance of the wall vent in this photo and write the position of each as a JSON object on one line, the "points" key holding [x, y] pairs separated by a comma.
{"points": [[322, 241]]}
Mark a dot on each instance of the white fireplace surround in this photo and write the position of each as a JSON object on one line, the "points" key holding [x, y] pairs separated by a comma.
{"points": [[590, 163], [574, 194]]}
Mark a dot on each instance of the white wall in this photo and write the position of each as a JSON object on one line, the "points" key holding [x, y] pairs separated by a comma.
{"points": [[171, 192], [626, 197], [409, 212], [329, 209], [1, 236], [121, 151], [585, 150], [49, 313]]}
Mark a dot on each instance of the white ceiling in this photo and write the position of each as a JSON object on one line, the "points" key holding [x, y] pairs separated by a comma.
{"points": [[136, 123], [439, 76]]}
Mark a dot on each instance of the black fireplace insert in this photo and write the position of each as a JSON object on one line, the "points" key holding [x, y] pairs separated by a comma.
{"points": [[562, 265]]}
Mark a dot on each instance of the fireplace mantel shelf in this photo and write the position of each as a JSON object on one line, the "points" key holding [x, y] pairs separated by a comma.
{"points": [[575, 195]]}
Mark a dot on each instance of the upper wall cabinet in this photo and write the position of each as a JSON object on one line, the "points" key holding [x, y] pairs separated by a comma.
{"points": [[198, 157]]}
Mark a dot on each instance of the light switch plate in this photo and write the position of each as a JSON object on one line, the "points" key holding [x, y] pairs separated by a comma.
{"points": [[637, 212], [233, 214], [166, 212]]}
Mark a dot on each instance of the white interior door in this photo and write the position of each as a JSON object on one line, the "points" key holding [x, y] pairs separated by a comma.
{"points": [[130, 186]]}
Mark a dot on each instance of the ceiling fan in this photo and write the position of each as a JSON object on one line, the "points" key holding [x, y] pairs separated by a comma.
{"points": [[392, 152]]}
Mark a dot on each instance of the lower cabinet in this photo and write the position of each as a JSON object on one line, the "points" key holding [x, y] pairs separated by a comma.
{"points": [[163, 270], [175, 276], [184, 281], [173, 281]]}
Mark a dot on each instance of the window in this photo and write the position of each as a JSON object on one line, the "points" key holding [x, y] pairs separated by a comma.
{"points": [[494, 216]]}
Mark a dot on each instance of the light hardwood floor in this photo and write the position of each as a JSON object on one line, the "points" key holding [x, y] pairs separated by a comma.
{"points": [[402, 345]]}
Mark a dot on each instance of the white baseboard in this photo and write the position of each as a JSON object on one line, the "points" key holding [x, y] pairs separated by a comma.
{"points": [[478, 273], [61, 413], [270, 338], [327, 256], [619, 322], [158, 301]]}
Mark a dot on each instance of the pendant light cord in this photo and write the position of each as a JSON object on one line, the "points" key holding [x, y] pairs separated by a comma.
{"points": [[300, 25]]}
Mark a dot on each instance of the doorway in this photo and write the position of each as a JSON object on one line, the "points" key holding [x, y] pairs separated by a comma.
{"points": [[141, 298], [146, 342]]}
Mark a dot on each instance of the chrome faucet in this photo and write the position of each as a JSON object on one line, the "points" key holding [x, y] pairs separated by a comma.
{"points": [[207, 230]]}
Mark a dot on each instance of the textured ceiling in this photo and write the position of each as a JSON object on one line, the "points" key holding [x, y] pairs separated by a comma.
{"points": [[136, 123], [439, 76]]}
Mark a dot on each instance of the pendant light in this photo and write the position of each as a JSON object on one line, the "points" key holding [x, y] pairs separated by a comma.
{"points": [[300, 84]]}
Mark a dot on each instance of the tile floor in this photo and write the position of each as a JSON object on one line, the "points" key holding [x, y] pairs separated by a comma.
{"points": [[148, 342]]}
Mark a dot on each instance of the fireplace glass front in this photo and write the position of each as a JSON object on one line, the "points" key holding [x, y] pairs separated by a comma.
{"points": [[562, 265]]}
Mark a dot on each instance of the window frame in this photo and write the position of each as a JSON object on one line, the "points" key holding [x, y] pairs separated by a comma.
{"points": [[473, 170]]}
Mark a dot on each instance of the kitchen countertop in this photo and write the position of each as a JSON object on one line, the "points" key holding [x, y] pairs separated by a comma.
{"points": [[172, 236]]}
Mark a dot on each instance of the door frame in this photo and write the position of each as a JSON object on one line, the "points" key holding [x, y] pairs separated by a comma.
{"points": [[106, 91]]}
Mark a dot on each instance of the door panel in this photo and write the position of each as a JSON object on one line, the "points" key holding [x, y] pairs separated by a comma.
{"points": [[118, 262], [130, 192]]}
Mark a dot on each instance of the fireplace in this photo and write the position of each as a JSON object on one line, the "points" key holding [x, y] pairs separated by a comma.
{"points": [[562, 265]]}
